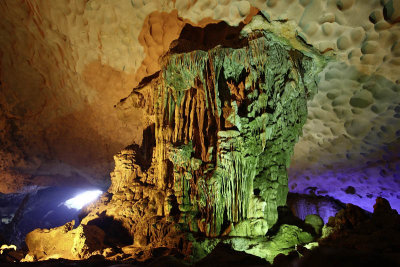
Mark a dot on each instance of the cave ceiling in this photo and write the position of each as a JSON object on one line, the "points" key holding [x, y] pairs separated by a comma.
{"points": [[66, 64]]}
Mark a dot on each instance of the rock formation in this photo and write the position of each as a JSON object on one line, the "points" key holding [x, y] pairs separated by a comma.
{"points": [[354, 237], [223, 123], [302, 205], [65, 242]]}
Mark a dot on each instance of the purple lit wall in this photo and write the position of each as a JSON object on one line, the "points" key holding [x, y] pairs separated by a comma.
{"points": [[359, 186]]}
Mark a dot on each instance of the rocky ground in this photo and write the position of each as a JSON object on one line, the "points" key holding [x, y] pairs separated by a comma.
{"points": [[353, 237]]}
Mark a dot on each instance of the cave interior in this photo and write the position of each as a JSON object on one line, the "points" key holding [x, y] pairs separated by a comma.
{"points": [[200, 133]]}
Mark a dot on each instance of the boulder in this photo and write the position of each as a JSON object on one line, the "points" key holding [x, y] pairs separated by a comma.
{"points": [[315, 221], [65, 242]]}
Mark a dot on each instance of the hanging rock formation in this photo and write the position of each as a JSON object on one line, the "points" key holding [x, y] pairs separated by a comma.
{"points": [[222, 125]]}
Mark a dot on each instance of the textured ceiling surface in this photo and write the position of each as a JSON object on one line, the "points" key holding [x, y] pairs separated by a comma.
{"points": [[65, 64]]}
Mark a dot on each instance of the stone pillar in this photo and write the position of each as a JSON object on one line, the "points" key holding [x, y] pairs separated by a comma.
{"points": [[228, 119]]}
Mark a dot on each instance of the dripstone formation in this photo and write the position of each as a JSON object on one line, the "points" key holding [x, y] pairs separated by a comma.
{"points": [[213, 162]]}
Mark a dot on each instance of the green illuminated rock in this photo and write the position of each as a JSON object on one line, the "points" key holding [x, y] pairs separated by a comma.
{"points": [[283, 242], [229, 119], [315, 221], [223, 122]]}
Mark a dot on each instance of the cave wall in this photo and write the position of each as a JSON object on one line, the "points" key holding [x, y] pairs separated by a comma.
{"points": [[65, 64]]}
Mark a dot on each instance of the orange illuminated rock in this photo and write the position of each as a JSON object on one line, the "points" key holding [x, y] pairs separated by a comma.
{"points": [[65, 242]]}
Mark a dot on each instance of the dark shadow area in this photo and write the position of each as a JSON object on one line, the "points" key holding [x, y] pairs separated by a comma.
{"points": [[116, 234], [198, 38], [285, 216], [330, 257], [225, 255], [148, 144], [144, 152]]}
